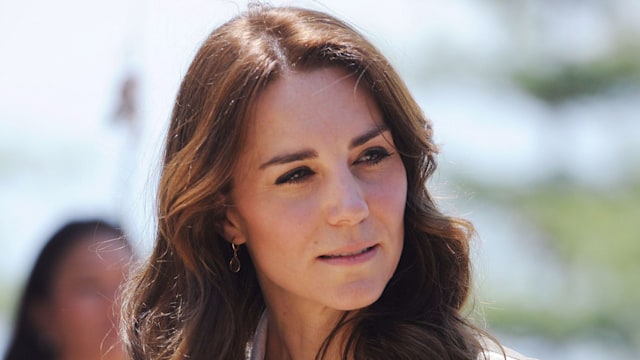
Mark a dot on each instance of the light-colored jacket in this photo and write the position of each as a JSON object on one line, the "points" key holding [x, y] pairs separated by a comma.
{"points": [[494, 353]]}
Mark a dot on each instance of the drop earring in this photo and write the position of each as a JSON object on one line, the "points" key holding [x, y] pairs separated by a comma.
{"points": [[234, 263]]}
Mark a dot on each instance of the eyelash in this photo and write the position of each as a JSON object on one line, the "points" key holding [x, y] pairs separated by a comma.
{"points": [[374, 155], [294, 176], [371, 157]]}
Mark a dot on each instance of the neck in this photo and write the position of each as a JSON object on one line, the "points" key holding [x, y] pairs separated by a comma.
{"points": [[299, 335]]}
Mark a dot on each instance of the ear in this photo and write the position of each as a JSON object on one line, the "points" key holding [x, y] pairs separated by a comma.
{"points": [[234, 226]]}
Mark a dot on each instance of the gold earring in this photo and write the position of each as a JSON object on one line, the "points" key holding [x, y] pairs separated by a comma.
{"points": [[234, 263]]}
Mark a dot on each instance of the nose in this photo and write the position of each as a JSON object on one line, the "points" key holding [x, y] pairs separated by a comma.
{"points": [[346, 200]]}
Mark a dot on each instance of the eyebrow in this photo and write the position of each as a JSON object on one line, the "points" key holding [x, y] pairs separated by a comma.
{"points": [[362, 139], [287, 158], [310, 154]]}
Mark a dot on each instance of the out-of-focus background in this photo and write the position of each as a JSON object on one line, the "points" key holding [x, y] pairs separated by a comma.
{"points": [[535, 103]]}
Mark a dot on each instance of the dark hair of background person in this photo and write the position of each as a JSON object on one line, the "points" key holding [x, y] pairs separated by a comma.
{"points": [[26, 342], [185, 303]]}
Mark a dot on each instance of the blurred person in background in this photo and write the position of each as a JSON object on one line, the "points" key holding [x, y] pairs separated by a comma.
{"points": [[68, 309]]}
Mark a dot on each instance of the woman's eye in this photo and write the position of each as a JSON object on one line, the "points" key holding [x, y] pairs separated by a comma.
{"points": [[294, 176], [373, 156]]}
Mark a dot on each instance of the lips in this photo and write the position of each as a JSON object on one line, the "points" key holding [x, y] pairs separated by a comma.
{"points": [[347, 254]]}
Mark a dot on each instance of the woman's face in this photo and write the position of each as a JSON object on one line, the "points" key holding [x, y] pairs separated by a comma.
{"points": [[319, 193], [78, 319]]}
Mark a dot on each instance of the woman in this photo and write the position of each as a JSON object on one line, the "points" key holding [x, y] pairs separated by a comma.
{"points": [[67, 308], [294, 222]]}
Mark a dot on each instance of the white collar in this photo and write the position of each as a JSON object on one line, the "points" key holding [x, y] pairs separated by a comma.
{"points": [[256, 348]]}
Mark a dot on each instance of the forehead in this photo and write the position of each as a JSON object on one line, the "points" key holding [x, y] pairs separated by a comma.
{"points": [[96, 251], [315, 98]]}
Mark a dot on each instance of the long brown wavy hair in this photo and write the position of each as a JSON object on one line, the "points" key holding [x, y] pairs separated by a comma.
{"points": [[186, 303]]}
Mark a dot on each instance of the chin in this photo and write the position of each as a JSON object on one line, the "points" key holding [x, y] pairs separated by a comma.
{"points": [[356, 300]]}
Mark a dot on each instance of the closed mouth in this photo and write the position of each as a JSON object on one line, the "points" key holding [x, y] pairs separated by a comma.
{"points": [[344, 255]]}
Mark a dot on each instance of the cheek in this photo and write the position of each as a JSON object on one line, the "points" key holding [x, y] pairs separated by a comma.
{"points": [[78, 306], [280, 230], [280, 218], [83, 309], [277, 238], [390, 196], [82, 322]]}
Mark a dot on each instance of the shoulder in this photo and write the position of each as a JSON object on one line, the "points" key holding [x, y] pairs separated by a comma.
{"points": [[498, 355], [493, 351]]}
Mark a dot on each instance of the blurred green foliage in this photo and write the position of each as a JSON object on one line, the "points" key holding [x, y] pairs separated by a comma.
{"points": [[596, 228], [557, 82], [596, 233]]}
